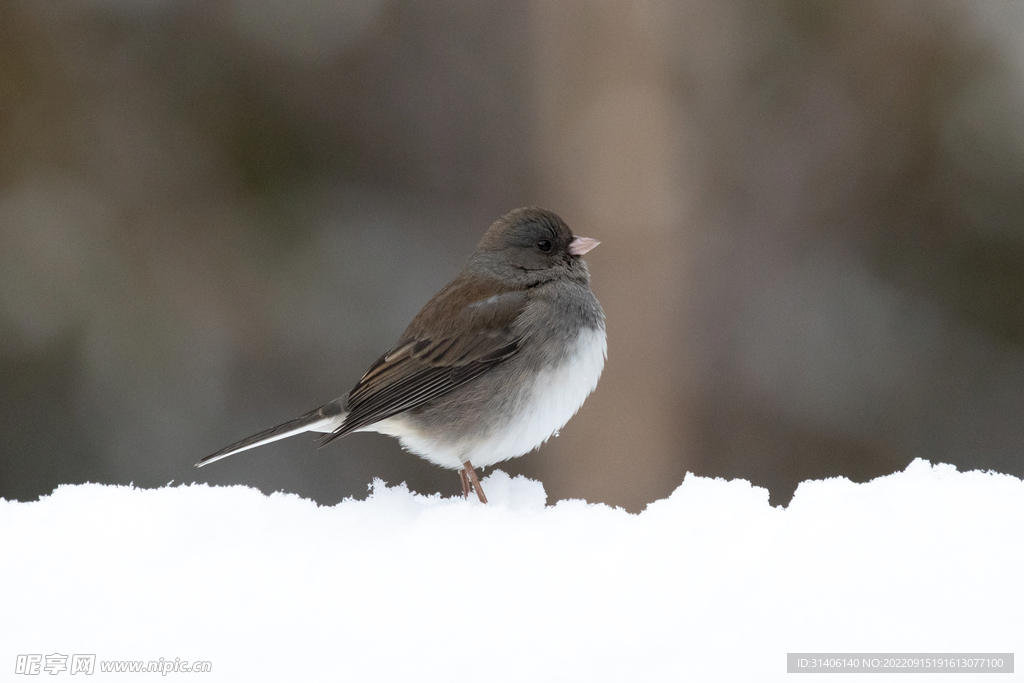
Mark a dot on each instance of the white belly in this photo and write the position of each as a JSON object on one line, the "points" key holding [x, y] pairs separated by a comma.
{"points": [[556, 396]]}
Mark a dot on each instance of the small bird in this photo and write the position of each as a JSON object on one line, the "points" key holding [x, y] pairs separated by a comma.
{"points": [[495, 363]]}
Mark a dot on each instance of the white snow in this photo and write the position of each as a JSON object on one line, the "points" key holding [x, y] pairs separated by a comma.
{"points": [[709, 584]]}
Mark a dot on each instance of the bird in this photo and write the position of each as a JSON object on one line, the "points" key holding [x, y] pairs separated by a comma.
{"points": [[494, 364]]}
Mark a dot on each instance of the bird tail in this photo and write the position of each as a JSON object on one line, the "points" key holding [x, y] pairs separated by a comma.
{"points": [[324, 419]]}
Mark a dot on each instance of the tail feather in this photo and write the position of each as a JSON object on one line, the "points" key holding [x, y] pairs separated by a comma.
{"points": [[324, 419]]}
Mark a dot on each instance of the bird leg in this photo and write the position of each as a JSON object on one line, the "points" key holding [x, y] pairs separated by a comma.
{"points": [[468, 473]]}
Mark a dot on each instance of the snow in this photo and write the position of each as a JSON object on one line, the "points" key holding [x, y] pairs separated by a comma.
{"points": [[709, 584]]}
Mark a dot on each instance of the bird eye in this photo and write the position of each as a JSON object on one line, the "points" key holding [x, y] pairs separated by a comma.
{"points": [[544, 245]]}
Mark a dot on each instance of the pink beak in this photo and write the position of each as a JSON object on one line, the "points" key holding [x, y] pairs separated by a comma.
{"points": [[581, 245]]}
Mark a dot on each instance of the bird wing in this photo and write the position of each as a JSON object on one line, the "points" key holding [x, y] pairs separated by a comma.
{"points": [[433, 359]]}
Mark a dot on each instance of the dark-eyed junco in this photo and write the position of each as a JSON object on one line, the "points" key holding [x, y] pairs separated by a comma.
{"points": [[493, 365]]}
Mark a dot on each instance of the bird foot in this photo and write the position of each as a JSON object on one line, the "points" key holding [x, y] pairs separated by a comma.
{"points": [[470, 480]]}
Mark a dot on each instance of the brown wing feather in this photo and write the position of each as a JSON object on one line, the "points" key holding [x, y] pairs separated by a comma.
{"points": [[423, 366]]}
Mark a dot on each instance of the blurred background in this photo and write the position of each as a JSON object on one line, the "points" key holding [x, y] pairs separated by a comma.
{"points": [[215, 214]]}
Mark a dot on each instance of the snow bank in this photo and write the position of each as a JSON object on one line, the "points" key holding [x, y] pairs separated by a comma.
{"points": [[710, 584]]}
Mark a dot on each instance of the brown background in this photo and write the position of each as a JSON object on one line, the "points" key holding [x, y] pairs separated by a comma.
{"points": [[215, 214]]}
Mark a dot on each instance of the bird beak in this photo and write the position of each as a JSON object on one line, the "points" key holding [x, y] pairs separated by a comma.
{"points": [[581, 245]]}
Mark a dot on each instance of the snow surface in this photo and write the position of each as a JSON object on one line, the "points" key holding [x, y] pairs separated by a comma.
{"points": [[709, 584]]}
